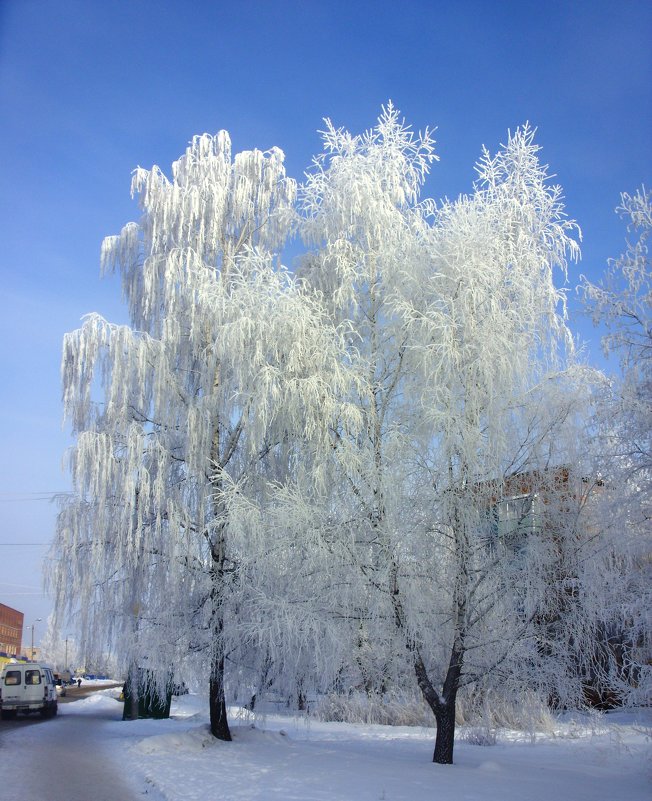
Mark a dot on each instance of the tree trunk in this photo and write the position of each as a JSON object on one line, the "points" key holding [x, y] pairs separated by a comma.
{"points": [[442, 705], [445, 716], [217, 701], [301, 699], [216, 693], [443, 710], [133, 702], [216, 690], [131, 690]]}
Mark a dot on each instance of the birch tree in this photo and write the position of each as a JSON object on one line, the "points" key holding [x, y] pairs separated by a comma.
{"points": [[301, 474], [491, 332], [222, 363], [458, 327], [622, 302]]}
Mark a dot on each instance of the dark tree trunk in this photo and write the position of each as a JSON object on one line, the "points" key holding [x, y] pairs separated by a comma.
{"points": [[444, 711], [217, 701], [445, 716], [216, 690], [131, 691], [443, 706]]}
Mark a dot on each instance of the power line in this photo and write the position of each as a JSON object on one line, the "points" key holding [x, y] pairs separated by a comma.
{"points": [[11, 497], [36, 492], [21, 586], [27, 544]]}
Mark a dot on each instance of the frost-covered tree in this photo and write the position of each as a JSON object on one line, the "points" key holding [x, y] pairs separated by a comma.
{"points": [[331, 479], [200, 400], [58, 650], [622, 301], [457, 329], [490, 323]]}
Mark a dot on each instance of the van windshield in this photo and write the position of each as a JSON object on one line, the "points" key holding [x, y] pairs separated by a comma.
{"points": [[12, 677]]}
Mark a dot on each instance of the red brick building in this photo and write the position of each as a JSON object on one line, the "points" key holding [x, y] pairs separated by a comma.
{"points": [[11, 630]]}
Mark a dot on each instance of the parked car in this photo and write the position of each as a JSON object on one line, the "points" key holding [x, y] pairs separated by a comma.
{"points": [[59, 684], [27, 687]]}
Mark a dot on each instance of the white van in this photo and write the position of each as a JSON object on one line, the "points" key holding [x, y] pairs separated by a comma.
{"points": [[27, 687]]}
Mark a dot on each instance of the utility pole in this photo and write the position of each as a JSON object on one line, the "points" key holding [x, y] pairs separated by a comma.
{"points": [[38, 619]]}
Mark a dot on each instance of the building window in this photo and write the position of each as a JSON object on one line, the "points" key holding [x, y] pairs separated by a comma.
{"points": [[512, 521]]}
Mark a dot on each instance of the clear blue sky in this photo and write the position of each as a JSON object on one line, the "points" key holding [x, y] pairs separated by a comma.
{"points": [[89, 90]]}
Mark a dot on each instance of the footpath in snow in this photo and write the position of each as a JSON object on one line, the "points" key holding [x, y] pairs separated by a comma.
{"points": [[88, 753]]}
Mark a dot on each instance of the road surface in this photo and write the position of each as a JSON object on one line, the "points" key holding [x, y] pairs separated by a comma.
{"points": [[61, 758]]}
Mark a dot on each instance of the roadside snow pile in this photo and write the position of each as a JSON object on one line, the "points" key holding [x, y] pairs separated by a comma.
{"points": [[93, 700], [200, 737], [178, 742]]}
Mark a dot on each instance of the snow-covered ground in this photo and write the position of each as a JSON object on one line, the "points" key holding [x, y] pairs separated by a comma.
{"points": [[278, 758]]}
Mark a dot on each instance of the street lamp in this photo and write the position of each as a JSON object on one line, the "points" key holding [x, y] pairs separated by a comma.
{"points": [[38, 620]]}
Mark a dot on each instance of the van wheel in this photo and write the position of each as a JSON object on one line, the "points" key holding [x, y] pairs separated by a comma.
{"points": [[55, 708], [8, 714]]}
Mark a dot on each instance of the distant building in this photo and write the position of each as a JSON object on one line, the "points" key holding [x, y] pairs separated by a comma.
{"points": [[526, 503], [549, 502], [11, 630]]}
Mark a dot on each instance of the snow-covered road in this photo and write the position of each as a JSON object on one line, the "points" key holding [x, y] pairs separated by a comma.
{"points": [[60, 759]]}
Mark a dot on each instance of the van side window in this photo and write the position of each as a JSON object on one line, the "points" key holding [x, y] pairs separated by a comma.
{"points": [[32, 677], [12, 677]]}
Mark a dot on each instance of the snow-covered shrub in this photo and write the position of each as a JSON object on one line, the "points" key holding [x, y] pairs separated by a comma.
{"points": [[478, 735], [525, 712], [641, 694], [390, 709], [479, 716]]}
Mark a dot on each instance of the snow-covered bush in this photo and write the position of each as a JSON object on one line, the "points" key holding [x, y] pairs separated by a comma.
{"points": [[478, 735], [525, 712], [389, 709]]}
